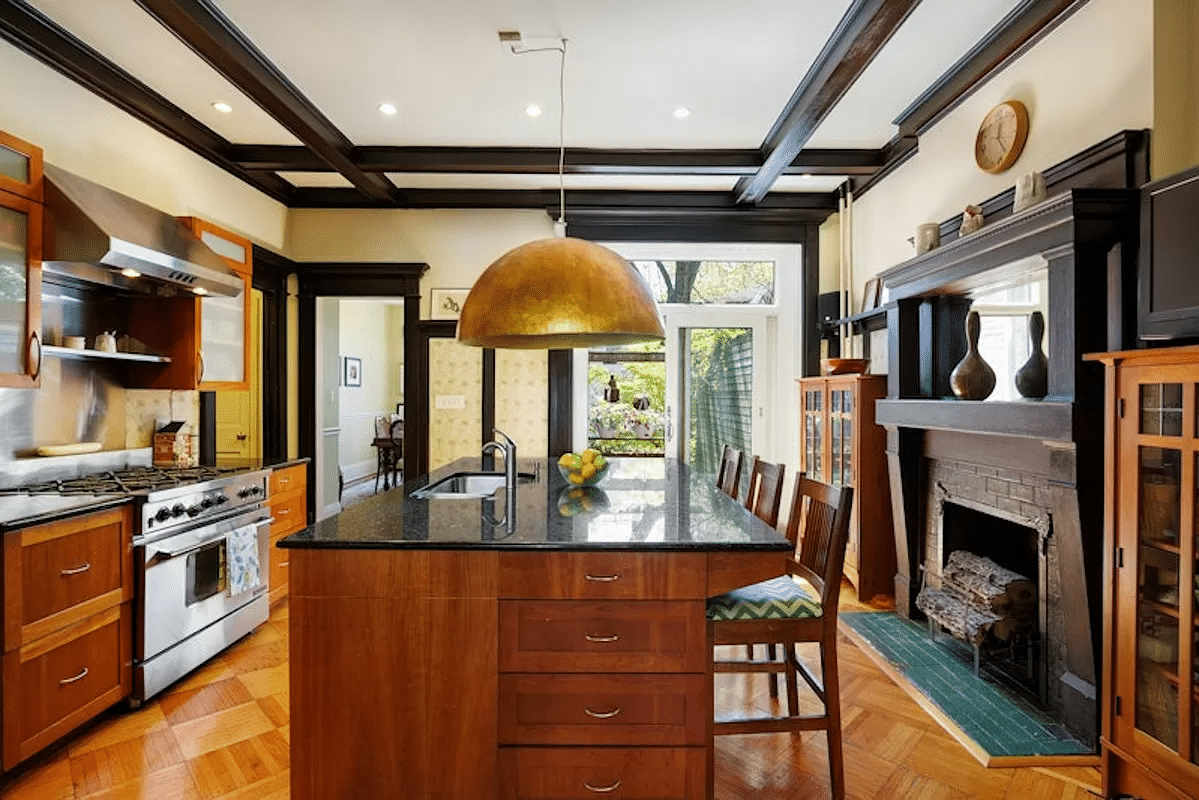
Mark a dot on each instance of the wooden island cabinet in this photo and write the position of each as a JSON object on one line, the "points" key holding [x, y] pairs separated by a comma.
{"points": [[437, 653]]}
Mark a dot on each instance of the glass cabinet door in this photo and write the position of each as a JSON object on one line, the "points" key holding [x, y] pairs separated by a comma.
{"points": [[813, 431], [20, 291], [225, 321], [841, 423]]}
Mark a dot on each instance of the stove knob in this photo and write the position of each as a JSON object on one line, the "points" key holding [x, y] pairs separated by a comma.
{"points": [[255, 490], [207, 502], [221, 499], [163, 514], [193, 511], [178, 510]]}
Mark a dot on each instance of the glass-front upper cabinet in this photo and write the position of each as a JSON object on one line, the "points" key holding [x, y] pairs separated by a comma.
{"points": [[813, 430], [225, 321], [20, 262]]}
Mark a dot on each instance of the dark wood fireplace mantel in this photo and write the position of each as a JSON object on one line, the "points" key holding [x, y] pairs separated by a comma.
{"points": [[1043, 421]]}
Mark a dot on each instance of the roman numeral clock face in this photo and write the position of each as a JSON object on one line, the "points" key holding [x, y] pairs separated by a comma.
{"points": [[1001, 136]]}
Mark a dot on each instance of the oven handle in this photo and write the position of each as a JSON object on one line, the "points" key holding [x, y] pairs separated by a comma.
{"points": [[163, 554]]}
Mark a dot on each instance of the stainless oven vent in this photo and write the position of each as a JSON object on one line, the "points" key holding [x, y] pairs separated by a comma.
{"points": [[98, 236]]}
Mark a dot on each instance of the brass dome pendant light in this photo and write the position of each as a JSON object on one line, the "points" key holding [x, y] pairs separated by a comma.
{"points": [[559, 293]]}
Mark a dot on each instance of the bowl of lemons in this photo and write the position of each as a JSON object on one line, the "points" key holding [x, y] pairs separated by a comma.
{"points": [[583, 469]]}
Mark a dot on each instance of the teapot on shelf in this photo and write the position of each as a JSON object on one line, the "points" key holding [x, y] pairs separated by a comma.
{"points": [[106, 342]]}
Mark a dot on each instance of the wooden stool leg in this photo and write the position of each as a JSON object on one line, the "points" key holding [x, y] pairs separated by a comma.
{"points": [[792, 679], [832, 711]]}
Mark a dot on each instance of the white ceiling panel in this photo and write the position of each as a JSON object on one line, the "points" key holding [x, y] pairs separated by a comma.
{"points": [[931, 40], [807, 183], [664, 183], [630, 64], [129, 37], [316, 179]]}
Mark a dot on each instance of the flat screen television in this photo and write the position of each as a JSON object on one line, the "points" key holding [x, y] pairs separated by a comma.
{"points": [[1168, 270]]}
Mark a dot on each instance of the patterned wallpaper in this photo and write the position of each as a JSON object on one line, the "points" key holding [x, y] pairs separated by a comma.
{"points": [[521, 399], [455, 370]]}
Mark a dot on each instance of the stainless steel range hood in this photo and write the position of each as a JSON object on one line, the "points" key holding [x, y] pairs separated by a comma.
{"points": [[98, 236]]}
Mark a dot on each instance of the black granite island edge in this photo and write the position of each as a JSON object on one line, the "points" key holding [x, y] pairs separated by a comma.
{"points": [[641, 505]]}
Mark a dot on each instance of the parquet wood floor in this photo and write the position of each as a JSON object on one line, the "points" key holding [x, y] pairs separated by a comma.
{"points": [[223, 734]]}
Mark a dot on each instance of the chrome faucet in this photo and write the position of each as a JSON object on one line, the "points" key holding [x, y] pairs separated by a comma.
{"points": [[509, 449]]}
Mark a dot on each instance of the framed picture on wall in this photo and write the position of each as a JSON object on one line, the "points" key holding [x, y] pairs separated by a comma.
{"points": [[870, 294], [446, 303], [352, 371]]}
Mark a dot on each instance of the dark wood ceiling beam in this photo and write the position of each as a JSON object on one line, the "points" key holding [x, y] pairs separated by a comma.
{"points": [[861, 34], [203, 28], [33, 33], [637, 202], [544, 161], [1024, 26]]}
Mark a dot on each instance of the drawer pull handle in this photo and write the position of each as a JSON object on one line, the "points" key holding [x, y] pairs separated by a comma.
{"points": [[602, 578], [283, 512], [602, 789], [283, 564], [76, 570], [78, 677], [602, 714], [591, 637]]}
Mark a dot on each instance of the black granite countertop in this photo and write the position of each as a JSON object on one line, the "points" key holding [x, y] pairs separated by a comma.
{"points": [[23, 510], [641, 504], [255, 464]]}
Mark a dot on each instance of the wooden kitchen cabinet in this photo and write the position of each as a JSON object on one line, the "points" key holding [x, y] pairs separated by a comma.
{"points": [[67, 639], [21, 218], [1150, 694], [840, 444], [207, 338], [289, 509]]}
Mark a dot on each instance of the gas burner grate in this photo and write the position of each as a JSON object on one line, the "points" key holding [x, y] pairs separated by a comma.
{"points": [[125, 481]]}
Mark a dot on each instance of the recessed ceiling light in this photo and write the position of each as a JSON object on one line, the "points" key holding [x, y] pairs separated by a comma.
{"points": [[223, 107], [682, 113], [533, 111], [388, 109]]}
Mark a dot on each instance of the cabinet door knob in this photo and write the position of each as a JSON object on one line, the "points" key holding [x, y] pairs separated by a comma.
{"points": [[78, 677]]}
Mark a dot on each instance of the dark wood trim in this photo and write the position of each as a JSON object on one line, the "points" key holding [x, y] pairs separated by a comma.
{"points": [[306, 392], [357, 279], [810, 294], [817, 204], [1028, 419], [689, 228], [561, 401], [207, 427], [200, 26], [36, 35], [895, 154], [270, 278], [861, 34], [487, 415], [544, 160], [1011, 37]]}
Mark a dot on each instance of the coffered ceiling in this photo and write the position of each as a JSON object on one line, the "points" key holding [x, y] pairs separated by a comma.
{"points": [[786, 100]]}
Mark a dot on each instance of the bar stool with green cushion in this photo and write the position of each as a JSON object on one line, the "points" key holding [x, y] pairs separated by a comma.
{"points": [[785, 611]]}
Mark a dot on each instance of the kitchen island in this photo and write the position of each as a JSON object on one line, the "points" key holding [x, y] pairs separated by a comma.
{"points": [[454, 648]]}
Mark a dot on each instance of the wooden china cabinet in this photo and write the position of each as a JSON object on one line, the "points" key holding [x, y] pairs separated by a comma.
{"points": [[839, 443], [1150, 732], [206, 338], [21, 216]]}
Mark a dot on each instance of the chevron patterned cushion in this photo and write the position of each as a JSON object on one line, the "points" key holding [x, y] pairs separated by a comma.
{"points": [[778, 598]]}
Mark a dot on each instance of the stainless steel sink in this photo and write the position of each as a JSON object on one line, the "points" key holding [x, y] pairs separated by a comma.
{"points": [[467, 485]]}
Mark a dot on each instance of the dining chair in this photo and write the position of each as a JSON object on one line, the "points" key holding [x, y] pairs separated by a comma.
{"points": [[765, 494], [389, 448], [784, 611], [728, 480]]}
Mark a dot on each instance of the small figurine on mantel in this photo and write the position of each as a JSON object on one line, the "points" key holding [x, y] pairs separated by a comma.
{"points": [[972, 220], [612, 394]]}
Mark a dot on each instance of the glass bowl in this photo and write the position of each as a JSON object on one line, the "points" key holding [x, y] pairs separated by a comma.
{"points": [[581, 476], [574, 501]]}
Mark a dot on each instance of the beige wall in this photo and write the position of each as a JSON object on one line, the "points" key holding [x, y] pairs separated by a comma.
{"points": [[82, 133], [363, 327], [1175, 143], [1087, 80]]}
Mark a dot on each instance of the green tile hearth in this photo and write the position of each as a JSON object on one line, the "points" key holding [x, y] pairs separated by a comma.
{"points": [[1000, 721]]}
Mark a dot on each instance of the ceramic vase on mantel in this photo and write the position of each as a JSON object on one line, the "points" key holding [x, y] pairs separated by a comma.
{"points": [[1032, 379], [972, 378]]}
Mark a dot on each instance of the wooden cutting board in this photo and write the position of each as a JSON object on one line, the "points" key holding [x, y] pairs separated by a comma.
{"points": [[68, 449]]}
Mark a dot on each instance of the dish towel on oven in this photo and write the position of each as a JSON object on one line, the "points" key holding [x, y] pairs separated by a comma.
{"points": [[242, 564]]}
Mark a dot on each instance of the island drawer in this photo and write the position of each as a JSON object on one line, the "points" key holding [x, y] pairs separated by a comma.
{"points": [[603, 576], [578, 636], [61, 572], [566, 773], [602, 709]]}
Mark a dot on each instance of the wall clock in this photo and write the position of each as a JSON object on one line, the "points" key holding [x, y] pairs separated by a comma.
{"points": [[1001, 136]]}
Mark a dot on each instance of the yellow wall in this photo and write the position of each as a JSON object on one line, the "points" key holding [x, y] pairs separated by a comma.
{"points": [[1175, 145]]}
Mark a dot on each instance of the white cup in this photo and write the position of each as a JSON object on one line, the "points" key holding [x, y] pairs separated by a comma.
{"points": [[1030, 190], [928, 236]]}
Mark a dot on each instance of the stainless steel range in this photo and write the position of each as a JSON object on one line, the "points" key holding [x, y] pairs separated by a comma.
{"points": [[201, 554]]}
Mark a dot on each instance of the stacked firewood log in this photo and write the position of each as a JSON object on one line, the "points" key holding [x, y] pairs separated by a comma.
{"points": [[977, 597]]}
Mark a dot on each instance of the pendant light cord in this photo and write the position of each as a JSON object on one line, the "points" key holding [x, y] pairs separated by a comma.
{"points": [[561, 122]]}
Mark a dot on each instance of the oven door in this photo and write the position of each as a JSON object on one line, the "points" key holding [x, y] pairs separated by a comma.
{"points": [[185, 580]]}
